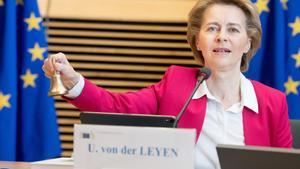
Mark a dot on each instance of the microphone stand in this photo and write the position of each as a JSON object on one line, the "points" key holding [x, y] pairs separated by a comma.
{"points": [[199, 81]]}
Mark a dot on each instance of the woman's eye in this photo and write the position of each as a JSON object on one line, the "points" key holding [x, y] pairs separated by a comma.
{"points": [[233, 30], [211, 29]]}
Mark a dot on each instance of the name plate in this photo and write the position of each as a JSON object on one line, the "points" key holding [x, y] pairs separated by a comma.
{"points": [[120, 147]]}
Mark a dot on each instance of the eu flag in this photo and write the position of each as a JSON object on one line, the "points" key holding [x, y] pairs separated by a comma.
{"points": [[28, 125], [277, 63]]}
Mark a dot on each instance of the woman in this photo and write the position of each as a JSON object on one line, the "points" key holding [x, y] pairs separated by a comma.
{"points": [[226, 109]]}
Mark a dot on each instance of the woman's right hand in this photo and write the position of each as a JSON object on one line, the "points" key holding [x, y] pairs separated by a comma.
{"points": [[59, 63]]}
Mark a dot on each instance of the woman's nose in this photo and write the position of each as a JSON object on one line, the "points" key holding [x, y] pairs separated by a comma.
{"points": [[221, 36]]}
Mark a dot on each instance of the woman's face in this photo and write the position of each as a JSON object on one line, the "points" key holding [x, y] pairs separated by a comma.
{"points": [[223, 38]]}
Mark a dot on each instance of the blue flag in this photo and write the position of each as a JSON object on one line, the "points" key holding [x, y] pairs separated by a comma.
{"points": [[277, 63], [28, 124]]}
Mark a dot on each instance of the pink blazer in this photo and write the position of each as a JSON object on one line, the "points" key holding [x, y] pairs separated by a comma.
{"points": [[270, 127]]}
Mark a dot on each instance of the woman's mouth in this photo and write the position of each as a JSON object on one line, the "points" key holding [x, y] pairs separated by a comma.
{"points": [[221, 50]]}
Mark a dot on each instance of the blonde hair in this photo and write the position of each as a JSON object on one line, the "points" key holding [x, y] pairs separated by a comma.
{"points": [[253, 27]]}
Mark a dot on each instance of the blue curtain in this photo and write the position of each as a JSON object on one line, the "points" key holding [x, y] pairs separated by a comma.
{"points": [[277, 63], [28, 124]]}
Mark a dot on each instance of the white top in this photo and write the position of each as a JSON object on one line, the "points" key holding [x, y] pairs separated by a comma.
{"points": [[220, 126]]}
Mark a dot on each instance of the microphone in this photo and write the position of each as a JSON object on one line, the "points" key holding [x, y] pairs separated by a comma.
{"points": [[202, 75]]}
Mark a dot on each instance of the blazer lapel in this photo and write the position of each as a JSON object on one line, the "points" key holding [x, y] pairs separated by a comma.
{"points": [[194, 115], [255, 132]]}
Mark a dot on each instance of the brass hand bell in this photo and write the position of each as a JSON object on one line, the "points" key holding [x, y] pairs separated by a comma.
{"points": [[57, 88]]}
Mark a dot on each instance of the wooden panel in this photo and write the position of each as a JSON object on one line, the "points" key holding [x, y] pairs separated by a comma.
{"points": [[123, 35], [58, 24], [66, 113], [68, 121], [66, 129], [66, 137], [129, 10], [119, 43], [67, 153], [106, 50], [131, 59], [67, 146], [119, 67], [121, 83], [122, 75]]}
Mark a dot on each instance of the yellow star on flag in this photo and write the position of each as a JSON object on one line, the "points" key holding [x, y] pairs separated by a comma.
{"points": [[1, 3], [4, 101], [33, 22], [295, 26], [284, 4], [20, 2], [297, 58], [37, 52], [29, 79], [262, 5], [291, 86]]}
